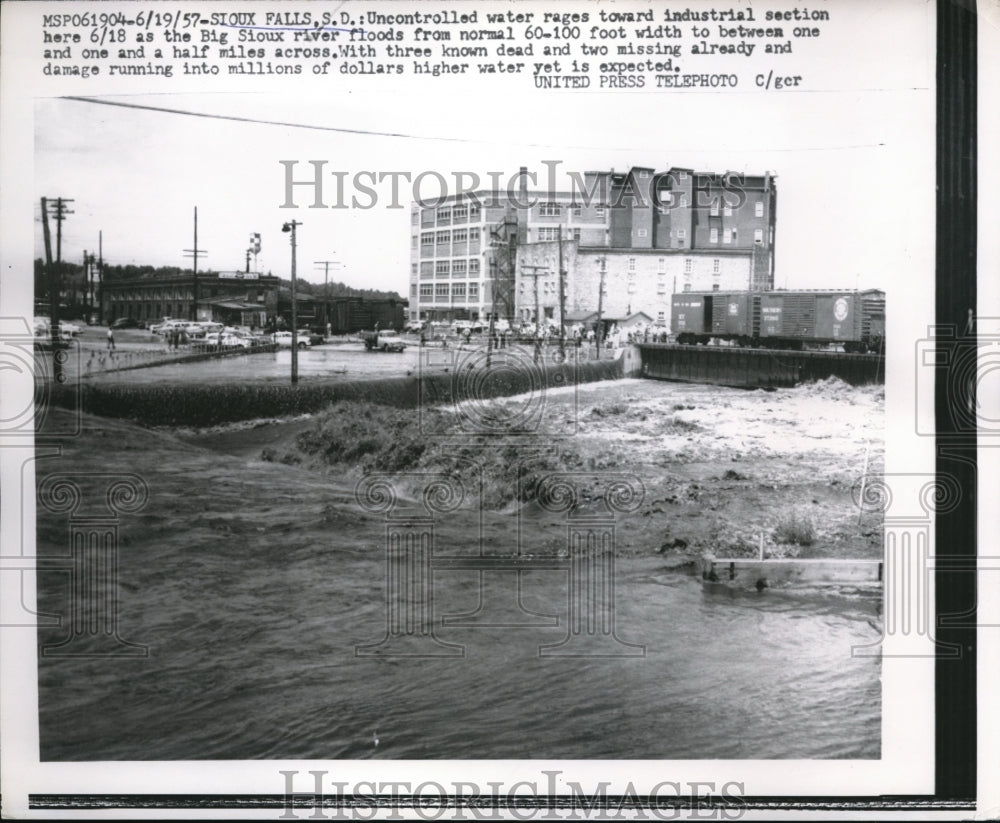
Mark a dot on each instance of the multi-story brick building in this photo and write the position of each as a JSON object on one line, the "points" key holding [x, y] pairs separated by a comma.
{"points": [[647, 233]]}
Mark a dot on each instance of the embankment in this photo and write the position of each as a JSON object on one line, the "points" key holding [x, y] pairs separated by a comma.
{"points": [[211, 403]]}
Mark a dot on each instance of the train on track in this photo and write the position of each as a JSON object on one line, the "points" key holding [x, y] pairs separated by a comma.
{"points": [[798, 320]]}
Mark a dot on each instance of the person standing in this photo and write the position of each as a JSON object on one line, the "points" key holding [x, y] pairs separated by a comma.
{"points": [[111, 340]]}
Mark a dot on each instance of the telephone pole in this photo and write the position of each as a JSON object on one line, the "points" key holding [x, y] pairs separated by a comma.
{"points": [[100, 274], [53, 279], [326, 283], [600, 307], [195, 253], [562, 299], [537, 271]]}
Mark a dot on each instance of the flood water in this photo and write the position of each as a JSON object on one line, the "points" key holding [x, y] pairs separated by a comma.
{"points": [[253, 584], [258, 660]]}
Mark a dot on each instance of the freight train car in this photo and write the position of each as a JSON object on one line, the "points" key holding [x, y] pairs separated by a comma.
{"points": [[782, 319]]}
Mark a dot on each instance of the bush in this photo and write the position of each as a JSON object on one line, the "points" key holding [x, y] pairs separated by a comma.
{"points": [[795, 530]]}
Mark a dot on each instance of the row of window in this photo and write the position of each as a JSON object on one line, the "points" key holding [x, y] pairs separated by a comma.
{"points": [[446, 214], [444, 268], [449, 291], [443, 238], [461, 214]]}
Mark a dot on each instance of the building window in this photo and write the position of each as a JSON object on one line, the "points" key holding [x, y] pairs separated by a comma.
{"points": [[642, 232], [413, 290], [681, 234], [727, 235], [683, 200], [661, 318], [551, 233], [474, 268], [631, 264], [599, 210], [413, 241], [727, 210], [643, 173], [441, 290], [576, 234], [549, 210], [716, 266], [713, 235], [415, 218], [413, 269], [713, 209], [459, 236], [758, 235], [443, 238], [758, 208], [474, 211], [577, 211], [715, 287], [687, 287], [473, 291], [442, 268], [426, 290], [687, 265], [661, 265], [443, 216], [458, 291], [427, 239], [460, 213], [683, 175], [458, 268]]}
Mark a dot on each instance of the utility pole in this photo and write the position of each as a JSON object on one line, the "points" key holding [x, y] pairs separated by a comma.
{"points": [[600, 307], [86, 284], [537, 271], [53, 295], [290, 227], [100, 274], [59, 212], [195, 253], [326, 287], [562, 299]]}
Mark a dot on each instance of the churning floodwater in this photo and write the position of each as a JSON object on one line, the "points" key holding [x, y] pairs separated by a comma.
{"points": [[256, 659]]}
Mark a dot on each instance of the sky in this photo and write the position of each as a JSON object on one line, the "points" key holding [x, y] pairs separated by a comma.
{"points": [[853, 166]]}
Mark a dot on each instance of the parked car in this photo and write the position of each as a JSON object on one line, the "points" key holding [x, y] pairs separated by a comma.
{"points": [[388, 341], [313, 338], [284, 339], [125, 323], [415, 326], [65, 327]]}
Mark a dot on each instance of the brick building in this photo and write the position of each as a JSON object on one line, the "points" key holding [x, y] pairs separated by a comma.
{"points": [[232, 297], [648, 232]]}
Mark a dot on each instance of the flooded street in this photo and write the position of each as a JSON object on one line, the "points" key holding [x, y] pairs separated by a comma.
{"points": [[254, 583]]}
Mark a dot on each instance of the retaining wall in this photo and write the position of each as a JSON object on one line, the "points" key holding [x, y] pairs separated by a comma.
{"points": [[211, 403]]}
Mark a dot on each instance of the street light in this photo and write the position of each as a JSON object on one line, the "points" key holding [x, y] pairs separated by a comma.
{"points": [[290, 227]]}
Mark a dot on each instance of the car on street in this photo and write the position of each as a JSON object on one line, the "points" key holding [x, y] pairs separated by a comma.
{"points": [[314, 338], [284, 339], [415, 326], [388, 341]]}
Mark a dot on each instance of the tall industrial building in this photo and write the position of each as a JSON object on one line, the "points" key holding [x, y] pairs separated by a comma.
{"points": [[629, 238]]}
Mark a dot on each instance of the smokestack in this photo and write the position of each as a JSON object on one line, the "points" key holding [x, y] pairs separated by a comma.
{"points": [[523, 174]]}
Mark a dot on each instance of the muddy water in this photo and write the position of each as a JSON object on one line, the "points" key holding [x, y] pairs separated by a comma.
{"points": [[259, 662], [253, 583]]}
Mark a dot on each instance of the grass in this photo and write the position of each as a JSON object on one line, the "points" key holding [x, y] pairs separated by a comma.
{"points": [[795, 530]]}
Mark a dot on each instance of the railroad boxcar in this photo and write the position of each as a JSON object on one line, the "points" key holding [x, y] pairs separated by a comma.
{"points": [[782, 319]]}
